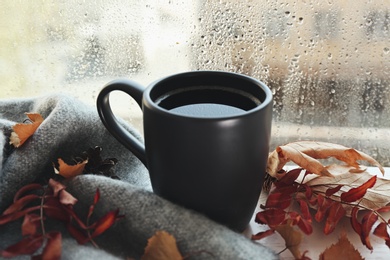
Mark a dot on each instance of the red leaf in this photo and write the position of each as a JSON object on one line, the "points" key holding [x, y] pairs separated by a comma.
{"points": [[304, 209], [76, 218], [304, 220], [31, 224], [308, 191], [14, 216], [263, 234], [96, 197], [290, 177], [20, 203], [354, 222], [80, 237], [323, 206], [336, 212], [53, 246], [294, 217], [54, 209], [368, 222], [278, 200], [329, 192], [26, 246], [105, 222], [381, 231], [383, 209], [95, 201], [357, 193], [26, 188], [272, 217], [305, 226]]}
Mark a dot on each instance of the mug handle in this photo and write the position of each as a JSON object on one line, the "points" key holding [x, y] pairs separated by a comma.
{"points": [[109, 120]]}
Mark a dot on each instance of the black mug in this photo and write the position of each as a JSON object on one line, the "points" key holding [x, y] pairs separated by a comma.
{"points": [[207, 137]]}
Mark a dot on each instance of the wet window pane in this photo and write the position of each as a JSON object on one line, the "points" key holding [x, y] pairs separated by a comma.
{"points": [[327, 62]]}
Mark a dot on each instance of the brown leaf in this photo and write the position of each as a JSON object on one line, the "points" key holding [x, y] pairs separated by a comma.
{"points": [[306, 153], [292, 238], [23, 131], [68, 171], [343, 249], [162, 246]]}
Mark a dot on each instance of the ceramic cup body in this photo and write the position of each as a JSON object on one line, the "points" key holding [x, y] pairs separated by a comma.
{"points": [[206, 137]]}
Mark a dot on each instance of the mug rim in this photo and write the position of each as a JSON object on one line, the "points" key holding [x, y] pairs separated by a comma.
{"points": [[151, 104]]}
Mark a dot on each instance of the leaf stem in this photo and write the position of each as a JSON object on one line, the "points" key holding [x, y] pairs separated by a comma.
{"points": [[282, 251], [41, 213], [356, 205], [89, 234]]}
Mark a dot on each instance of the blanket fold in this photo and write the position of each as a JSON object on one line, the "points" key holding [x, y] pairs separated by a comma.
{"points": [[71, 127]]}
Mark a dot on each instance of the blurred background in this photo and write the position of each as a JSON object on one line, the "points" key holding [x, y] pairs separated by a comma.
{"points": [[327, 62]]}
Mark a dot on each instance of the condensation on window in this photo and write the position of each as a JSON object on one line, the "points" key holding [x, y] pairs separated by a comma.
{"points": [[326, 62]]}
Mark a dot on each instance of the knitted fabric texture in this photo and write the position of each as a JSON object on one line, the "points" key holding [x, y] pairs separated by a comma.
{"points": [[71, 127]]}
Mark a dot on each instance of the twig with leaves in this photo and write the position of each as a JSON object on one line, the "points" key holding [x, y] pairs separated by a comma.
{"points": [[333, 192], [36, 204]]}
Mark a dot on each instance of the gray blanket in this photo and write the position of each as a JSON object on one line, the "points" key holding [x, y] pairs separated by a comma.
{"points": [[71, 127]]}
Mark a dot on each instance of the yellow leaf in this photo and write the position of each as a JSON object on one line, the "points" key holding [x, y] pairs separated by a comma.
{"points": [[292, 238], [23, 131], [306, 153], [162, 246], [343, 249], [68, 171]]}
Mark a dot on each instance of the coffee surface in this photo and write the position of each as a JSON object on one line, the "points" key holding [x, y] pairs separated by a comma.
{"points": [[207, 110]]}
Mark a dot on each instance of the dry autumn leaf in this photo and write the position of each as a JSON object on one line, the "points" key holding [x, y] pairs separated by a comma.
{"points": [[306, 153], [68, 171], [343, 249], [292, 238], [23, 131], [162, 246]]}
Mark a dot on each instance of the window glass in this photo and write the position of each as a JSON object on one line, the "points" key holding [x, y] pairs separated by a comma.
{"points": [[327, 62]]}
